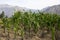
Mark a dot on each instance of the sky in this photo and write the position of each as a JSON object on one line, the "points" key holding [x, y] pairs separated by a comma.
{"points": [[32, 4]]}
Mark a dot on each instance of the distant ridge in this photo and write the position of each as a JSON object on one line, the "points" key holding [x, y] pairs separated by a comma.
{"points": [[9, 10], [52, 9]]}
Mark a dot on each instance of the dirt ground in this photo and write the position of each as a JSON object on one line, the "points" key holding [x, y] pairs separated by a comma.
{"points": [[4, 36]]}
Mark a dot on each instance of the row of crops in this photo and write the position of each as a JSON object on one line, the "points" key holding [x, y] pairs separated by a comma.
{"points": [[27, 21]]}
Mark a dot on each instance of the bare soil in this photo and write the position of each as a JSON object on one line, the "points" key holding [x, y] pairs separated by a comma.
{"points": [[33, 36]]}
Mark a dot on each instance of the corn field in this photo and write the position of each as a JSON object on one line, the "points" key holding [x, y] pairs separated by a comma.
{"points": [[22, 23]]}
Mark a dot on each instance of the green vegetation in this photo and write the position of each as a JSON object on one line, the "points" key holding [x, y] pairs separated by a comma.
{"points": [[27, 21]]}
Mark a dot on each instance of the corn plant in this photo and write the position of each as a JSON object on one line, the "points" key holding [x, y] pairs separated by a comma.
{"points": [[15, 22], [27, 22], [4, 23], [21, 32], [8, 27], [35, 22]]}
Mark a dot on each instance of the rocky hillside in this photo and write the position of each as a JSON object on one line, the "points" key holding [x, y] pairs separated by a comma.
{"points": [[9, 10], [52, 9]]}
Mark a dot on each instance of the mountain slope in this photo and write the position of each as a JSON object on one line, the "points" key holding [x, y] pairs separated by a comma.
{"points": [[9, 10], [52, 9]]}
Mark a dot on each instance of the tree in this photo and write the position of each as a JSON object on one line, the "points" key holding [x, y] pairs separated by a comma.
{"points": [[2, 14]]}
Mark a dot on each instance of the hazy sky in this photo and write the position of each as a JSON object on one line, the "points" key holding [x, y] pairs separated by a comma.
{"points": [[33, 4]]}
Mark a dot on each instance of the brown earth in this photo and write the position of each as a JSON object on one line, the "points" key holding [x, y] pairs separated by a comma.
{"points": [[33, 36]]}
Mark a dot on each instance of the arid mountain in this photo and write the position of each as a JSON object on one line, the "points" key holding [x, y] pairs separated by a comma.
{"points": [[9, 10], [52, 9]]}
